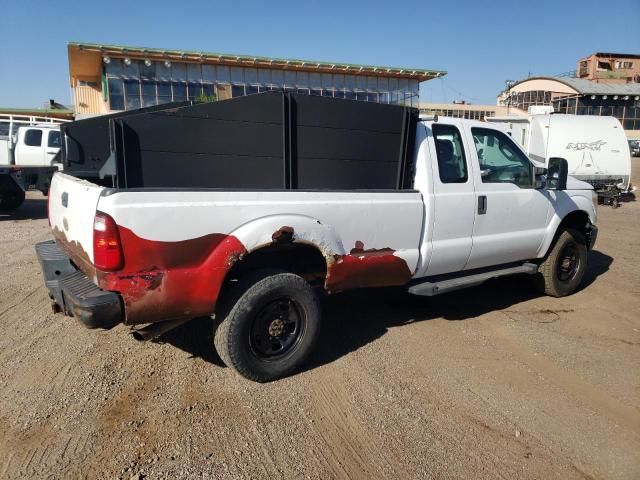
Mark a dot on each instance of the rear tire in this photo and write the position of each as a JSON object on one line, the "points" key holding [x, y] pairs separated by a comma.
{"points": [[563, 269], [269, 332]]}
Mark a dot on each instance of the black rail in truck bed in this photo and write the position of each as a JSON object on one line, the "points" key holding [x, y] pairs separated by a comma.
{"points": [[274, 140]]}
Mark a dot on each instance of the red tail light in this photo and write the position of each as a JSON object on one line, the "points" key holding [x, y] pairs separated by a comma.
{"points": [[107, 250]]}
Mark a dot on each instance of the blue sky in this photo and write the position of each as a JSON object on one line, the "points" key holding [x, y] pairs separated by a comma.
{"points": [[480, 43]]}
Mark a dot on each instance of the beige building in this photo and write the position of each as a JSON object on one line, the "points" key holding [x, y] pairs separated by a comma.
{"points": [[107, 78], [610, 68], [463, 110], [579, 97]]}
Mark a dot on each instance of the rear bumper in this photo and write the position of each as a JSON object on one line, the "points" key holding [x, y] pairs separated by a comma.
{"points": [[73, 292]]}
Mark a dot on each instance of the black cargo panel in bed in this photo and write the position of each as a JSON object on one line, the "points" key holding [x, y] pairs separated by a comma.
{"points": [[274, 140]]}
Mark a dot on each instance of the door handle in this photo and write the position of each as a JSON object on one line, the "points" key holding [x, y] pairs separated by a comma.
{"points": [[482, 204]]}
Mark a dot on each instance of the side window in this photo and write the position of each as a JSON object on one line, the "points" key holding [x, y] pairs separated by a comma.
{"points": [[54, 139], [501, 161], [33, 138], [452, 164]]}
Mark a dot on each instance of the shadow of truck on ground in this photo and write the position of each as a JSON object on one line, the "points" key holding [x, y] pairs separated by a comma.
{"points": [[356, 318], [31, 209]]}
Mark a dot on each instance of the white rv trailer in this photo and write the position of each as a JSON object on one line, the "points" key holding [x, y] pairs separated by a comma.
{"points": [[595, 147]]}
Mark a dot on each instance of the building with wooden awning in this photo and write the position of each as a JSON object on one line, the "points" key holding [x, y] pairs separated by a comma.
{"points": [[107, 78]]}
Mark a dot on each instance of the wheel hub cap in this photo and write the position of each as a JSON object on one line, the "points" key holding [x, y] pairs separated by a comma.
{"points": [[276, 327]]}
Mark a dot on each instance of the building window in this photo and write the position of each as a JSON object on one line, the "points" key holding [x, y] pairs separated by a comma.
{"points": [[164, 92], [277, 77], [116, 93], [237, 91], [179, 92], [149, 96], [132, 94], [139, 85], [179, 71], [195, 91], [208, 90], [194, 72]]}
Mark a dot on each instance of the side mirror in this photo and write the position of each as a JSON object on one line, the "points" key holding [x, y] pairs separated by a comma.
{"points": [[557, 173]]}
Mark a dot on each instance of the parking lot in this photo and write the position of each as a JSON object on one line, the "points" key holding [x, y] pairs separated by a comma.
{"points": [[492, 382]]}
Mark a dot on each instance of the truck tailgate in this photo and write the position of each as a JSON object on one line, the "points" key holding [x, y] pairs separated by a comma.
{"points": [[72, 208]]}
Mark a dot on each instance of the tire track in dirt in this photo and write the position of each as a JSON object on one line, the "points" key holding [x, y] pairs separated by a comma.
{"points": [[624, 416], [349, 450], [43, 453]]}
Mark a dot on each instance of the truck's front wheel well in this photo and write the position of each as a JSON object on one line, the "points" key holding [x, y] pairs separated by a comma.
{"points": [[577, 220]]}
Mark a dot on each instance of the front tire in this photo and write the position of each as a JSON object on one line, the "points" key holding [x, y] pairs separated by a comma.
{"points": [[563, 269], [271, 329]]}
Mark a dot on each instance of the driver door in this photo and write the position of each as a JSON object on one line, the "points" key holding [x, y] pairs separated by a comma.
{"points": [[511, 215]]}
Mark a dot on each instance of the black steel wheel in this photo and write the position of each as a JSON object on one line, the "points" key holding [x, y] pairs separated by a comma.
{"points": [[269, 327], [277, 328], [568, 262], [561, 272]]}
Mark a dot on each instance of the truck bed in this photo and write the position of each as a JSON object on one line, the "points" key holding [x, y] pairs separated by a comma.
{"points": [[179, 245]]}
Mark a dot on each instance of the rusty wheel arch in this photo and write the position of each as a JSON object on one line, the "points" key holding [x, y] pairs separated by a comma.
{"points": [[302, 259]]}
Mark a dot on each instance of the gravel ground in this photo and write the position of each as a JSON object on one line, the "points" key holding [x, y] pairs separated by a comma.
{"points": [[491, 382]]}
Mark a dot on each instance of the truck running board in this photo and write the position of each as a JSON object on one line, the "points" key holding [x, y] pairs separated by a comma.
{"points": [[429, 289]]}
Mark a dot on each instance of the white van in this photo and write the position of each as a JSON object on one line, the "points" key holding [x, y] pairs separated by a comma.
{"points": [[595, 147]]}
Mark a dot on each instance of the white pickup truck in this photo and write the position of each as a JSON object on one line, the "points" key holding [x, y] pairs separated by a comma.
{"points": [[257, 258], [28, 151]]}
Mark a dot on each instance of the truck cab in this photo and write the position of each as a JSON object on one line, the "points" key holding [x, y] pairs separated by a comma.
{"points": [[504, 211], [37, 145], [29, 153]]}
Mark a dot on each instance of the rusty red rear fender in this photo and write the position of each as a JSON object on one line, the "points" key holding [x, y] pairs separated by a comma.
{"points": [[164, 280], [168, 280]]}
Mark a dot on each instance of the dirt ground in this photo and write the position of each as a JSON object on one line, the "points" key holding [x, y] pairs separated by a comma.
{"points": [[491, 382]]}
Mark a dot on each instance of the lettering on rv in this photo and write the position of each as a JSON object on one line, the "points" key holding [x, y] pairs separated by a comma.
{"points": [[595, 146]]}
